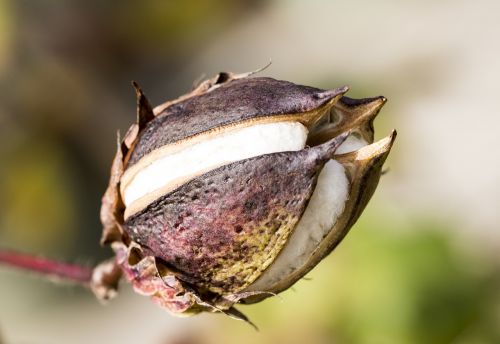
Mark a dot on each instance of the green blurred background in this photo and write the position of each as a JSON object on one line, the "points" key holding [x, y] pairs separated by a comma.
{"points": [[421, 265]]}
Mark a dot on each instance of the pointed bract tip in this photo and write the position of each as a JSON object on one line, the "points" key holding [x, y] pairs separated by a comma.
{"points": [[261, 68], [327, 149], [144, 109], [328, 94], [247, 74], [379, 103], [367, 113], [118, 138], [342, 137], [388, 141], [237, 315], [362, 109], [364, 102], [379, 100], [380, 148], [137, 88]]}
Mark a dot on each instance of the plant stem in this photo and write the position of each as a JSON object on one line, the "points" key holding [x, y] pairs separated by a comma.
{"points": [[68, 272]]}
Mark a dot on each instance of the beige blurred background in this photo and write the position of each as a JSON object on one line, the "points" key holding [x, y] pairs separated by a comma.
{"points": [[422, 264]]}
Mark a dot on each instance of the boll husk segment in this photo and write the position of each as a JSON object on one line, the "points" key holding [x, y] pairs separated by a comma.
{"points": [[235, 191]]}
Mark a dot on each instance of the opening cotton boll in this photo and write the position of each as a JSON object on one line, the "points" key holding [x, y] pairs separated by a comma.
{"points": [[172, 170], [325, 206], [216, 193]]}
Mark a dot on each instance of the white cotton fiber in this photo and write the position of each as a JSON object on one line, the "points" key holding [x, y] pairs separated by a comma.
{"points": [[351, 144]]}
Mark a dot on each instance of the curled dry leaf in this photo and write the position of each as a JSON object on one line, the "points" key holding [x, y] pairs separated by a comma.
{"points": [[233, 192]]}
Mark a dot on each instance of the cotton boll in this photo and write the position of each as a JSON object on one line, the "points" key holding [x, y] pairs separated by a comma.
{"points": [[229, 193]]}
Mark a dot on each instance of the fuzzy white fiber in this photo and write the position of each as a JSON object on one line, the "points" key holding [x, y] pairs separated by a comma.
{"points": [[351, 144], [234, 145]]}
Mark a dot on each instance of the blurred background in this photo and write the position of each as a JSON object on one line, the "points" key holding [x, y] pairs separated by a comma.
{"points": [[421, 265]]}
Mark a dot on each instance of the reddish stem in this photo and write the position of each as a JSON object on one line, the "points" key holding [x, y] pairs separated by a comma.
{"points": [[68, 272]]}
